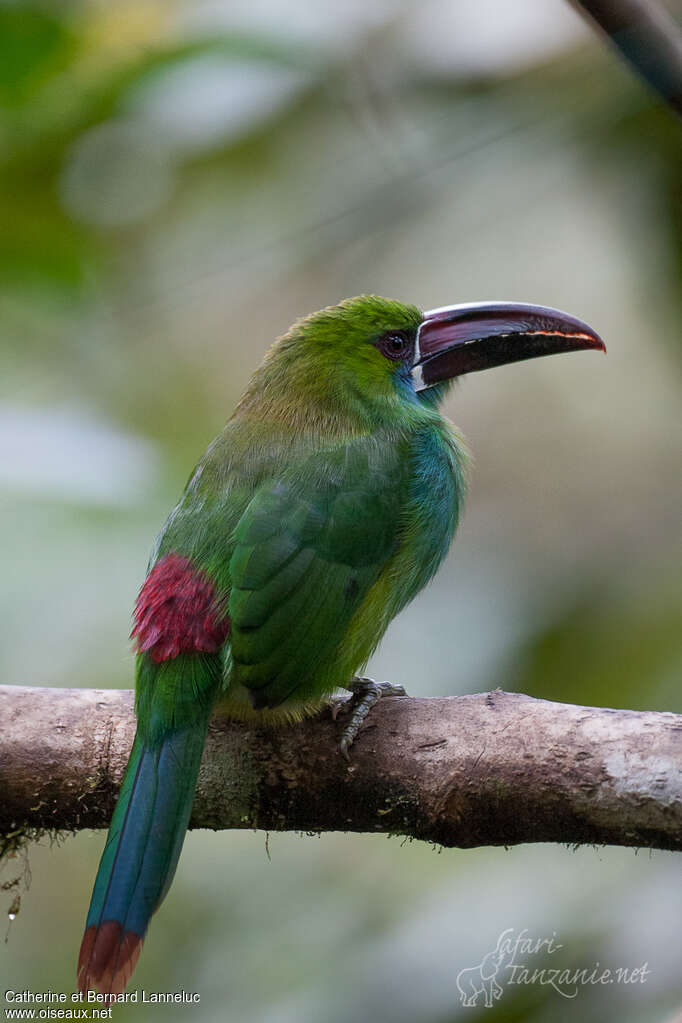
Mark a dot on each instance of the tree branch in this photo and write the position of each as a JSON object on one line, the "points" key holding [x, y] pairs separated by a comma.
{"points": [[648, 37], [490, 769]]}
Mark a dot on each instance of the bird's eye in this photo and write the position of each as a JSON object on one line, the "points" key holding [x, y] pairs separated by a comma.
{"points": [[394, 345]]}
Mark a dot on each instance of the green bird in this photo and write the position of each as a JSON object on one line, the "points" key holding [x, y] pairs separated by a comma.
{"points": [[327, 502]]}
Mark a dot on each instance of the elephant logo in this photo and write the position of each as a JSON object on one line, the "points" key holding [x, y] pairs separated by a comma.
{"points": [[481, 979]]}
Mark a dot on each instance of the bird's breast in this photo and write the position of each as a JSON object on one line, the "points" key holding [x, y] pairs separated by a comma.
{"points": [[435, 497]]}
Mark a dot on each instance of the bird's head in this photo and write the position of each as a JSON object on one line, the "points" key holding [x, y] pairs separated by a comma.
{"points": [[373, 353]]}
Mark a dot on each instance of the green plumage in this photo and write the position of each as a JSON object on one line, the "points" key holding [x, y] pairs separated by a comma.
{"points": [[325, 505], [328, 501], [319, 518]]}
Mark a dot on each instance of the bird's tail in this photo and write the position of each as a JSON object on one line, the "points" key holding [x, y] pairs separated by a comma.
{"points": [[142, 851]]}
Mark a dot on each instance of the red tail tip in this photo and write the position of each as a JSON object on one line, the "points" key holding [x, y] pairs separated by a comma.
{"points": [[107, 958]]}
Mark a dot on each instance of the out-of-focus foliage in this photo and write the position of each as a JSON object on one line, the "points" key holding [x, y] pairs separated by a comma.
{"points": [[178, 182]]}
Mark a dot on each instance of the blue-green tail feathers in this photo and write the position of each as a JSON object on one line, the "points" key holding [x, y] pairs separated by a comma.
{"points": [[142, 851]]}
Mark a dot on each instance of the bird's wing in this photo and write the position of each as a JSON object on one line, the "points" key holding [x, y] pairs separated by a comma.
{"points": [[308, 547]]}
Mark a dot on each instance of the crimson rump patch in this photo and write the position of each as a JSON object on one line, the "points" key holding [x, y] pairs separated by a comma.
{"points": [[178, 611]]}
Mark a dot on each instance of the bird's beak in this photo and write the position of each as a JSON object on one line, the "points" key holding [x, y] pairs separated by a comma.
{"points": [[464, 338]]}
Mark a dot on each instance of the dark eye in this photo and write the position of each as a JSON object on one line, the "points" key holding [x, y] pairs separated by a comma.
{"points": [[394, 345]]}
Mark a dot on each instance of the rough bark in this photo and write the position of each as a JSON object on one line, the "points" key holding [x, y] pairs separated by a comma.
{"points": [[490, 769]]}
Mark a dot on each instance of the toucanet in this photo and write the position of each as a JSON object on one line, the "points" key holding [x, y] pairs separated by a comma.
{"points": [[327, 502]]}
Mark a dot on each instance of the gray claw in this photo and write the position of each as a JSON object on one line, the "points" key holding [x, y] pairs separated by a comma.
{"points": [[365, 693]]}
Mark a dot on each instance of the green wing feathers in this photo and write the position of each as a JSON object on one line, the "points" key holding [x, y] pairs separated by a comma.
{"points": [[308, 548]]}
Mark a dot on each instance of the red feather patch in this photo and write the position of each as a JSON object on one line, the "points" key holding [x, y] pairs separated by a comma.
{"points": [[107, 958], [178, 611]]}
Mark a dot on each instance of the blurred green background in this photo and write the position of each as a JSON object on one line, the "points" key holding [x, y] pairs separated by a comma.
{"points": [[179, 181]]}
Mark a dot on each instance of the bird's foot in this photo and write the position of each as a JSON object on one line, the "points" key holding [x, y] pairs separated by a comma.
{"points": [[365, 692]]}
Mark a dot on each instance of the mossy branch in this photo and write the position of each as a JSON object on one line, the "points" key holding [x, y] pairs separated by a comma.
{"points": [[489, 769]]}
